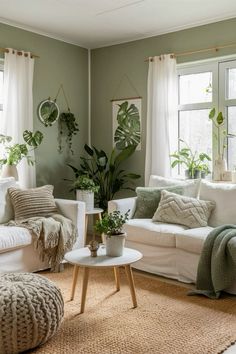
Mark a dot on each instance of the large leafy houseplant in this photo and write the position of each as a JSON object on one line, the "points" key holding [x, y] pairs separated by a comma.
{"points": [[193, 161], [106, 172]]}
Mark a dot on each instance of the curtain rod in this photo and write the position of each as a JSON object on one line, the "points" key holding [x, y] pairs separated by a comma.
{"points": [[19, 52], [181, 54]]}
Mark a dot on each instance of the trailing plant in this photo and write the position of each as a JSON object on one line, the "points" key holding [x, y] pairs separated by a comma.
{"points": [[128, 130], [13, 154], [85, 183], [106, 172], [193, 161], [67, 127], [112, 223]]}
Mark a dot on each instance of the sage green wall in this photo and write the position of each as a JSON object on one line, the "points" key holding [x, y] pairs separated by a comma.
{"points": [[64, 63], [110, 64]]}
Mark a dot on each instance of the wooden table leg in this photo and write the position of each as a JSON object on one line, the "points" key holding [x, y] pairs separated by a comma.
{"points": [[86, 229], [131, 284], [74, 282], [117, 277], [84, 289]]}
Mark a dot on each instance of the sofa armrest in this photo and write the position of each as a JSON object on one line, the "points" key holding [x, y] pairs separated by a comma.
{"points": [[74, 210], [123, 205]]}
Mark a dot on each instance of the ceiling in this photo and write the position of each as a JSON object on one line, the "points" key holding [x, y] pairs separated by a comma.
{"points": [[97, 23]]}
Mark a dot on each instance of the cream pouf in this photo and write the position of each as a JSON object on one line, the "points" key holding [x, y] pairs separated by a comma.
{"points": [[31, 310]]}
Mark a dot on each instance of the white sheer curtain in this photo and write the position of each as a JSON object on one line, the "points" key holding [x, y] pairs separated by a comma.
{"points": [[162, 120], [18, 106]]}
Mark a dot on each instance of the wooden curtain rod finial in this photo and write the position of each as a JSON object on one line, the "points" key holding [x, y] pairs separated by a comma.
{"points": [[5, 50]]}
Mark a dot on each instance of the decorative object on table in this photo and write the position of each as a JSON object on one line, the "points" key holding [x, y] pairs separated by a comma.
{"points": [[111, 226], [48, 112], [106, 172], [196, 163], [95, 213], [220, 163], [34, 308], [85, 189], [127, 123], [93, 247], [227, 176], [13, 154]]}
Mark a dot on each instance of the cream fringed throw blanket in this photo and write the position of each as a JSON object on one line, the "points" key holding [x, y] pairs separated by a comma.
{"points": [[53, 237]]}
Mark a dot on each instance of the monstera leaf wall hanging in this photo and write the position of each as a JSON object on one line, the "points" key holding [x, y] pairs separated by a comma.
{"points": [[127, 123]]}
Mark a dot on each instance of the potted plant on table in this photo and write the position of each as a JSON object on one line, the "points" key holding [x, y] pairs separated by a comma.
{"points": [[13, 154], [111, 227], [195, 163], [85, 189]]}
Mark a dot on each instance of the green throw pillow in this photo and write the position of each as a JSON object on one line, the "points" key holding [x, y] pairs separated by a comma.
{"points": [[148, 199]]}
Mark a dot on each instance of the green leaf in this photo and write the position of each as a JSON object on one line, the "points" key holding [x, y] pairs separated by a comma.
{"points": [[33, 139], [175, 163], [220, 118], [88, 150], [212, 113], [124, 154]]}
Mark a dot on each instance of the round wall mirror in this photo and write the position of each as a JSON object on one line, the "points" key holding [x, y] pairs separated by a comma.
{"points": [[48, 112]]}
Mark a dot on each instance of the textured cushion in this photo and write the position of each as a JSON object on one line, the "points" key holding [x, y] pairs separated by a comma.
{"points": [[183, 210], [224, 196], [6, 209], [32, 202], [190, 187], [148, 199], [12, 237], [192, 240], [151, 233], [32, 309]]}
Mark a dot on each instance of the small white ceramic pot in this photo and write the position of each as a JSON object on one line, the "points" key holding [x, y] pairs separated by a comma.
{"points": [[115, 245], [87, 197], [9, 171]]}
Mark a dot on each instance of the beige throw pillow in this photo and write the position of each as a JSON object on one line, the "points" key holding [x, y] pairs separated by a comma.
{"points": [[32, 202], [176, 209]]}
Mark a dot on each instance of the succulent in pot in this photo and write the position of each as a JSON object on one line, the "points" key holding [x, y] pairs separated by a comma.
{"points": [[85, 189], [111, 225]]}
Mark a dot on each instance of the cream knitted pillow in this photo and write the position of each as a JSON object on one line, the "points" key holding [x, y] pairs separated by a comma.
{"points": [[176, 209], [32, 202]]}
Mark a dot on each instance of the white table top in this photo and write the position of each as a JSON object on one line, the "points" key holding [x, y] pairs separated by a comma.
{"points": [[94, 211], [82, 257]]}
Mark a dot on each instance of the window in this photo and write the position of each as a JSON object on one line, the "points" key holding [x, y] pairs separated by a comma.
{"points": [[1, 89], [202, 87]]}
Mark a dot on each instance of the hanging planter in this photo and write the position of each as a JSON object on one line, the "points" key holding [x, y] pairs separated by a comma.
{"points": [[67, 129]]}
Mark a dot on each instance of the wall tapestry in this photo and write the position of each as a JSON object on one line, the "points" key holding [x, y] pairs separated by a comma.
{"points": [[126, 122]]}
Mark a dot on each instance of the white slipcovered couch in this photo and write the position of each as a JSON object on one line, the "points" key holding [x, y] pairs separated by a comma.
{"points": [[17, 253], [173, 250]]}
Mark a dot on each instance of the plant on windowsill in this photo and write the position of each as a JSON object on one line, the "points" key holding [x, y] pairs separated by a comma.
{"points": [[85, 189], [13, 154], [111, 226], [195, 163]]}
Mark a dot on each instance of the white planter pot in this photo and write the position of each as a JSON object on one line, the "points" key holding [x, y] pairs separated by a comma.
{"points": [[115, 245], [219, 167], [9, 171], [87, 197]]}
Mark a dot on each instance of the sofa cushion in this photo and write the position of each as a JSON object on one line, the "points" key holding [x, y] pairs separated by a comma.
{"points": [[191, 212], [152, 233], [6, 208], [191, 187], [33, 202], [148, 199], [192, 240], [12, 237], [224, 196]]}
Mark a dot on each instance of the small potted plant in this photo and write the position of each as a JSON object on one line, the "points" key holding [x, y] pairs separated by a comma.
{"points": [[13, 154], [111, 227], [85, 189], [195, 163]]}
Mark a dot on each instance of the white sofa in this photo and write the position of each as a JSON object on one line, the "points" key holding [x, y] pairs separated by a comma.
{"points": [[17, 253], [173, 250]]}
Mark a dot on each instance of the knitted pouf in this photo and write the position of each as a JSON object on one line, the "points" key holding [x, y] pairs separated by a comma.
{"points": [[31, 310]]}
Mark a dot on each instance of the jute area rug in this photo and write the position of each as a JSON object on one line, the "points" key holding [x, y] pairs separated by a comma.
{"points": [[166, 321]]}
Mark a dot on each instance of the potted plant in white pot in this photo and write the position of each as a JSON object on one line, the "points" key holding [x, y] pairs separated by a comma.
{"points": [[85, 189], [13, 154], [111, 227]]}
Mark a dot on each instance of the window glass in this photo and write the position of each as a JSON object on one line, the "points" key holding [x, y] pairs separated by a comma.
{"points": [[195, 88], [231, 83], [1, 88]]}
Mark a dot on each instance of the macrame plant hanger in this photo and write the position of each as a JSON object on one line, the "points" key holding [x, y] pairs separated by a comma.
{"points": [[125, 77]]}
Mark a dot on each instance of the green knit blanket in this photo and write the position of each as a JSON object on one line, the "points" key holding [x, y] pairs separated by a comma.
{"points": [[217, 264]]}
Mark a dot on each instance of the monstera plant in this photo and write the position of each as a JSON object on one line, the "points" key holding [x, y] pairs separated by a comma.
{"points": [[128, 130]]}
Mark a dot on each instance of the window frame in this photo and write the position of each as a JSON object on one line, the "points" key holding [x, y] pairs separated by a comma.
{"points": [[1, 69]]}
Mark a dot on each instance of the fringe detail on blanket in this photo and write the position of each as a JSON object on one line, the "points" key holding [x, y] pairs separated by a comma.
{"points": [[53, 237]]}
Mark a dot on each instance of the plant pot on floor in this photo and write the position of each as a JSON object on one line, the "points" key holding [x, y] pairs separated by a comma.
{"points": [[115, 245], [9, 171], [87, 197]]}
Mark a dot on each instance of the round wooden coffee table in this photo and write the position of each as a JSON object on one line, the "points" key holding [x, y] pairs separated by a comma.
{"points": [[81, 258]]}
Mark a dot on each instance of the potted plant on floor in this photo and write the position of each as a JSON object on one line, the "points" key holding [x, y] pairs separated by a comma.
{"points": [[111, 227], [85, 189], [195, 163], [13, 154]]}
